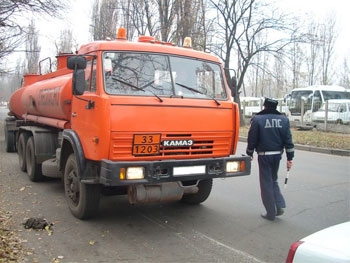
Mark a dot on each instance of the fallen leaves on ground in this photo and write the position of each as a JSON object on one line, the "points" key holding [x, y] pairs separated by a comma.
{"points": [[10, 244]]}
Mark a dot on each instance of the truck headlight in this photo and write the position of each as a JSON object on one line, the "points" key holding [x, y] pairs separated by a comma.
{"points": [[135, 173], [234, 166], [132, 173]]}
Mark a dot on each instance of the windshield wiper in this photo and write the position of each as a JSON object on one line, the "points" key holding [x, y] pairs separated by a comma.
{"points": [[138, 88], [198, 91], [147, 84]]}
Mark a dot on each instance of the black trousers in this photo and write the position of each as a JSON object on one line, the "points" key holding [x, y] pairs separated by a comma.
{"points": [[271, 195]]}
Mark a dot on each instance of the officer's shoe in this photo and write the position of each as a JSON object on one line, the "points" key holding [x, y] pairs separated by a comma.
{"points": [[279, 212], [265, 216]]}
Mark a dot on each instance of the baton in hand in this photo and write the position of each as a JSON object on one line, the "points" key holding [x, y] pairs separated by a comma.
{"points": [[286, 179]]}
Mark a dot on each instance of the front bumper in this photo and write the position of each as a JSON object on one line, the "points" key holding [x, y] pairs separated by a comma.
{"points": [[163, 171]]}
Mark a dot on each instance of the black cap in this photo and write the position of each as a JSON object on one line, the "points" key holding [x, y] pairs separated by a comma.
{"points": [[270, 103]]}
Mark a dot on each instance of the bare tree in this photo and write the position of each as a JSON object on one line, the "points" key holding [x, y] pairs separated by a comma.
{"points": [[65, 42], [32, 49], [167, 20], [328, 38], [185, 17], [345, 75], [296, 57], [318, 43], [108, 15], [279, 75], [10, 81], [12, 35], [204, 27], [240, 23], [166, 12], [142, 15], [191, 22], [95, 20], [313, 40], [104, 19]]}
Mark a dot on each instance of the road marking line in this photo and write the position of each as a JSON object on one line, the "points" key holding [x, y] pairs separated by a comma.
{"points": [[239, 252], [203, 236]]}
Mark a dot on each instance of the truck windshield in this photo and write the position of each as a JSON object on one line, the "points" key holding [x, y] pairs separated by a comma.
{"points": [[145, 74]]}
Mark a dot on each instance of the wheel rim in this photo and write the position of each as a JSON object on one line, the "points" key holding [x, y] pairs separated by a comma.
{"points": [[72, 187]]}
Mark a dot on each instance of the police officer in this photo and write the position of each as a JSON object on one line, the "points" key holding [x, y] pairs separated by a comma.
{"points": [[269, 134]]}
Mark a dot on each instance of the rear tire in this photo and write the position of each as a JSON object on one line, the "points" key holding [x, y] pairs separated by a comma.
{"points": [[10, 141], [21, 147], [203, 193], [10, 132], [83, 199], [33, 168]]}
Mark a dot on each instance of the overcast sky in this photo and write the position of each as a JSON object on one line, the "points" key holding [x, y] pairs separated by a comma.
{"points": [[319, 9], [79, 21]]}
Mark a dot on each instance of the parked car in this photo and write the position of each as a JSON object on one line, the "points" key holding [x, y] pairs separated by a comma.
{"points": [[338, 112], [329, 245]]}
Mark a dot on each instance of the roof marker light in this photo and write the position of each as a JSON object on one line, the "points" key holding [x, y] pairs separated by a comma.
{"points": [[187, 42], [121, 33]]}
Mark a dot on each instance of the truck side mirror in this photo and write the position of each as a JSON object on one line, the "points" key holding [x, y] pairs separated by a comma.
{"points": [[79, 83], [76, 62]]}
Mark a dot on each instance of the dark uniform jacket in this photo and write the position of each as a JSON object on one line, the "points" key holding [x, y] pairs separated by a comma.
{"points": [[270, 131]]}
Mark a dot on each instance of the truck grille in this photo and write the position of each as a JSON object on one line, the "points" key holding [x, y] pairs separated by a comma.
{"points": [[205, 145]]}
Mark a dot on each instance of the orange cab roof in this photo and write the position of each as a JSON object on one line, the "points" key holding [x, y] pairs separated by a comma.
{"points": [[124, 45]]}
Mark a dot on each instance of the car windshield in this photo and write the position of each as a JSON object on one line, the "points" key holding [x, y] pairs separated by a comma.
{"points": [[333, 107], [328, 95], [147, 74]]}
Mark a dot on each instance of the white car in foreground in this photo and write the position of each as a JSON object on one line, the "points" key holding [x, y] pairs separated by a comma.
{"points": [[329, 245]]}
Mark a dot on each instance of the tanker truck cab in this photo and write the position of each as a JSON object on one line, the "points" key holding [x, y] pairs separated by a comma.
{"points": [[146, 119]]}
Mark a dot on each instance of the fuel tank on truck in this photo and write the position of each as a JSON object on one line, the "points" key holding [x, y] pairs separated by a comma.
{"points": [[46, 97]]}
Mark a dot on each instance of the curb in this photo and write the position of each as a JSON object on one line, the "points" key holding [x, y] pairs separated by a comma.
{"points": [[313, 149]]}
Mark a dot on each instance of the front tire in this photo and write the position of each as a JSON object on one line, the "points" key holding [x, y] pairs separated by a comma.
{"points": [[203, 193], [83, 199]]}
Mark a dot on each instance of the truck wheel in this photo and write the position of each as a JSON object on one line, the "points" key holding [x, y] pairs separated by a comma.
{"points": [[10, 141], [21, 149], [33, 168], [204, 189], [83, 199]]}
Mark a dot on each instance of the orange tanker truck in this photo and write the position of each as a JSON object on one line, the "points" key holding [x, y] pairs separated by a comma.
{"points": [[146, 119]]}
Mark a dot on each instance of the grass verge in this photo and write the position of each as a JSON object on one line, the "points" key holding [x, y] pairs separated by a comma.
{"points": [[315, 138]]}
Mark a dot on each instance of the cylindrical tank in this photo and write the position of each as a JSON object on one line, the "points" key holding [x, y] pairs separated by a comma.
{"points": [[49, 97]]}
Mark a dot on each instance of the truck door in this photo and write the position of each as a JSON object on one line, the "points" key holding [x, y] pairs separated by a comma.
{"points": [[87, 118]]}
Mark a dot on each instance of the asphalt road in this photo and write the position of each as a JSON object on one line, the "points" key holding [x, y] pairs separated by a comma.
{"points": [[225, 228]]}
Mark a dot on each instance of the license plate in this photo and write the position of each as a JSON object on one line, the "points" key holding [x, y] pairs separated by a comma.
{"points": [[146, 144], [189, 170]]}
